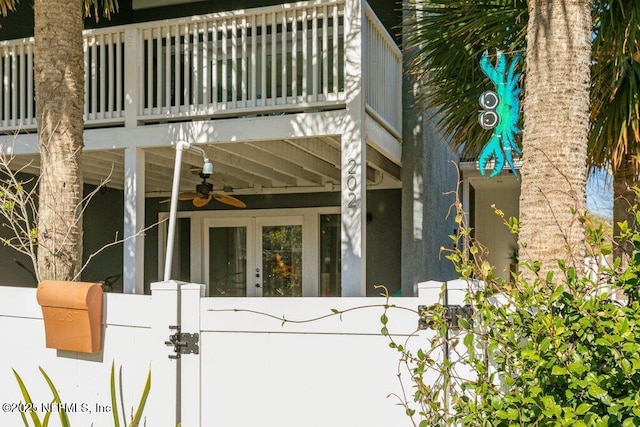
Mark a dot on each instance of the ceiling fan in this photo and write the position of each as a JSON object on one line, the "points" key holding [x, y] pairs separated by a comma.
{"points": [[204, 193]]}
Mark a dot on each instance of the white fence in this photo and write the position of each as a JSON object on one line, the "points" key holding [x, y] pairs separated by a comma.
{"points": [[251, 369], [81, 379], [276, 58]]}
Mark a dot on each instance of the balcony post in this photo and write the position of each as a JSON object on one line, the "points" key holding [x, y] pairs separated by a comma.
{"points": [[353, 178], [132, 55], [133, 262]]}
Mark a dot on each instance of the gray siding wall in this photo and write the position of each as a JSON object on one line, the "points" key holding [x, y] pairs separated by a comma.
{"points": [[427, 174]]}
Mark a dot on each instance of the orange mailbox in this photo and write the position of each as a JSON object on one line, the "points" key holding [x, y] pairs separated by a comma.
{"points": [[72, 313]]}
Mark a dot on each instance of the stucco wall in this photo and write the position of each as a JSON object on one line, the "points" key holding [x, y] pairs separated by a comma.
{"points": [[427, 220]]}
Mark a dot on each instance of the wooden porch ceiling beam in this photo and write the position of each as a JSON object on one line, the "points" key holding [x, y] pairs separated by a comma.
{"points": [[384, 164], [241, 163], [273, 161], [113, 156], [304, 158], [225, 130], [319, 148], [166, 160], [100, 165], [236, 177]]}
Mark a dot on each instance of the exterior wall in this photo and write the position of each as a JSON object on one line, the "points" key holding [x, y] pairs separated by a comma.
{"points": [[489, 228], [384, 228], [103, 224], [427, 175], [12, 273]]}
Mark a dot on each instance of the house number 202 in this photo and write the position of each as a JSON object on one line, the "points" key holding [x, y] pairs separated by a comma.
{"points": [[352, 183]]}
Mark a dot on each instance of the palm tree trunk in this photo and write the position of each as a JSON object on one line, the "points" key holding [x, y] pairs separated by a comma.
{"points": [[556, 124], [59, 86]]}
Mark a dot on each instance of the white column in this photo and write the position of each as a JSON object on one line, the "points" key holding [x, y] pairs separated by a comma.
{"points": [[353, 178], [190, 374], [162, 407], [133, 262], [132, 57]]}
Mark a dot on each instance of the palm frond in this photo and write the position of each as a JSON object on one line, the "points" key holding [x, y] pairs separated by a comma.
{"points": [[447, 39], [99, 8], [7, 6], [615, 89]]}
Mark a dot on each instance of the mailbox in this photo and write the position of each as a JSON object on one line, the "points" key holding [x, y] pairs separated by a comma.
{"points": [[72, 313]]}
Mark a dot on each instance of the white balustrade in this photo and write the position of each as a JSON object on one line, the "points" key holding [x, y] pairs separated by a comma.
{"points": [[383, 78], [17, 101], [274, 59], [104, 75]]}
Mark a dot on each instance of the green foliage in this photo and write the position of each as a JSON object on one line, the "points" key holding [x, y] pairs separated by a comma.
{"points": [[64, 420], [558, 350], [137, 416], [31, 409]]}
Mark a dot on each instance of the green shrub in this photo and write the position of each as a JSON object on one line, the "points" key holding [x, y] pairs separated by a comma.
{"points": [[558, 350]]}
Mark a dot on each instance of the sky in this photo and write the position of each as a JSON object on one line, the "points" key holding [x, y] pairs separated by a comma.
{"points": [[600, 194]]}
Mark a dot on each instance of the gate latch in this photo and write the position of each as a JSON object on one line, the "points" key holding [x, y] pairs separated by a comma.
{"points": [[183, 343]]}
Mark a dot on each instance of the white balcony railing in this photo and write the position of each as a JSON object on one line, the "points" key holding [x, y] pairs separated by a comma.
{"points": [[17, 103], [277, 58], [383, 68]]}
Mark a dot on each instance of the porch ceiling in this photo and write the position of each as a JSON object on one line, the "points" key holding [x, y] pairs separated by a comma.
{"points": [[272, 166]]}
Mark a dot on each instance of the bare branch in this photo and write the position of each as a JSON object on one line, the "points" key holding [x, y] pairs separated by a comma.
{"points": [[116, 242]]}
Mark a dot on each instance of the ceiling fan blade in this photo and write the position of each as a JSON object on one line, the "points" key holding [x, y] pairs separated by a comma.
{"points": [[228, 200], [188, 195], [183, 196], [199, 202]]}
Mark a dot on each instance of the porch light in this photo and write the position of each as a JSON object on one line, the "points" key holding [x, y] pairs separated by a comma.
{"points": [[207, 168]]}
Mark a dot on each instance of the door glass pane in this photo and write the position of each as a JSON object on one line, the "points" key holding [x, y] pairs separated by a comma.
{"points": [[330, 265], [282, 261], [228, 261]]}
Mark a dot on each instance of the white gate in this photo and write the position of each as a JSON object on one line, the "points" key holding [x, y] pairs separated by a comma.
{"points": [[296, 361]]}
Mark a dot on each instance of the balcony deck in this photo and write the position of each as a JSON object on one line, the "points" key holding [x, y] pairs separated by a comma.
{"points": [[267, 60]]}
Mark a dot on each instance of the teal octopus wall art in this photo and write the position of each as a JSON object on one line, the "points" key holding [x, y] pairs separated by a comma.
{"points": [[501, 113]]}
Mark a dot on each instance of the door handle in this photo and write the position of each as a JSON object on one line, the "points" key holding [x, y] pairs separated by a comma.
{"points": [[258, 285]]}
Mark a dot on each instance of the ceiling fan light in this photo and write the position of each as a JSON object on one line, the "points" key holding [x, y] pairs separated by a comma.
{"points": [[207, 168]]}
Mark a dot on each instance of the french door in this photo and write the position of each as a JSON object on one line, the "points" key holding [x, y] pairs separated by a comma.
{"points": [[254, 256]]}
